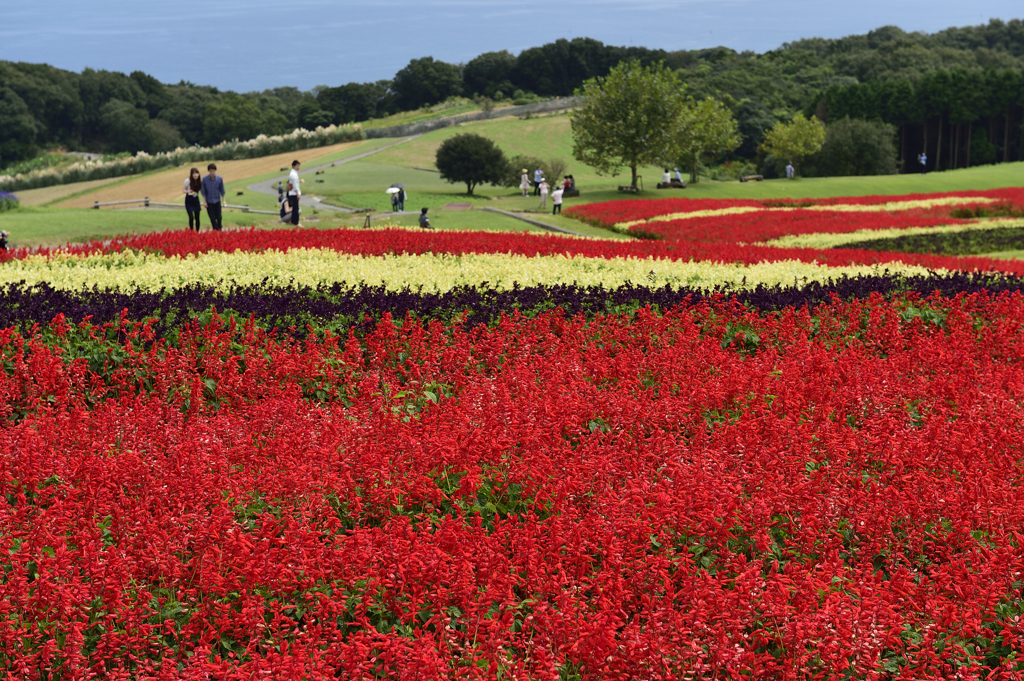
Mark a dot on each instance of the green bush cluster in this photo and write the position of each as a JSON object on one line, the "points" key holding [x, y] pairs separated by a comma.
{"points": [[969, 242]]}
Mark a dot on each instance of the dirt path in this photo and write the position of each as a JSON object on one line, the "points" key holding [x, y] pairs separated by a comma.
{"points": [[45, 195], [166, 185]]}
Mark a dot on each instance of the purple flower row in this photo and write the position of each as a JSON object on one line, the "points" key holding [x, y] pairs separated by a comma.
{"points": [[339, 307]]}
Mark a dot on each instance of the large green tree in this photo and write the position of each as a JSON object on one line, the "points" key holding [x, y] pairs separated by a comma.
{"points": [[628, 118], [236, 117], [426, 81], [705, 129], [125, 125], [472, 159], [857, 147], [489, 73], [19, 128], [795, 140]]}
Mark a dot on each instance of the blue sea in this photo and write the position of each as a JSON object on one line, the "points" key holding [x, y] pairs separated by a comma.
{"points": [[258, 44]]}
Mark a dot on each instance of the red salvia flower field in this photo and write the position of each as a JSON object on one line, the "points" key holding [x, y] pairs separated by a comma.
{"points": [[708, 491]]}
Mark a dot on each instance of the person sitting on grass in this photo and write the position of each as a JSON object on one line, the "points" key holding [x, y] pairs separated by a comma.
{"points": [[424, 220]]}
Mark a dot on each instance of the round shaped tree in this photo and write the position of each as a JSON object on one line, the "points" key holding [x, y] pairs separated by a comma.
{"points": [[471, 159]]}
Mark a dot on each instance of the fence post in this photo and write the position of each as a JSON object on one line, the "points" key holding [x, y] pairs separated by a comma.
{"points": [[147, 201], [96, 205]]}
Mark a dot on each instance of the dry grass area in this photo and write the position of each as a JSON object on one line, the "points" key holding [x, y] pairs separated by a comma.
{"points": [[166, 185], [46, 195]]}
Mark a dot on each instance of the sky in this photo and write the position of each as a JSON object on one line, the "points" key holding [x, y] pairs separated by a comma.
{"points": [[258, 44]]}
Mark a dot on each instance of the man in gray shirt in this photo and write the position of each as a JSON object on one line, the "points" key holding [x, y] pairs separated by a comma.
{"points": [[213, 191]]}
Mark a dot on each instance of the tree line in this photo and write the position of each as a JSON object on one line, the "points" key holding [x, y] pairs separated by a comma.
{"points": [[42, 106], [957, 117]]}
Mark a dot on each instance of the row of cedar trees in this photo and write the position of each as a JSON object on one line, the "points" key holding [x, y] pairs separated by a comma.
{"points": [[959, 118]]}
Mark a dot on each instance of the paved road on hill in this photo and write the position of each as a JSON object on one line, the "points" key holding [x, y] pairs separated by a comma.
{"points": [[270, 186]]}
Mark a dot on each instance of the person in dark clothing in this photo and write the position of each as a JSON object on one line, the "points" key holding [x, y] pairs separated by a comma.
{"points": [[213, 191], [191, 190], [424, 220], [3, 240]]}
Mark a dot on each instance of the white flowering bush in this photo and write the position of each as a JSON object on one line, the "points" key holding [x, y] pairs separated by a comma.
{"points": [[262, 145]]}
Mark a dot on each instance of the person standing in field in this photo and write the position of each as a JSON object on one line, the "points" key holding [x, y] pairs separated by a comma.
{"points": [[524, 183], [294, 192], [543, 188], [401, 200], [538, 177], [922, 158], [191, 189], [213, 191], [556, 200], [790, 171]]}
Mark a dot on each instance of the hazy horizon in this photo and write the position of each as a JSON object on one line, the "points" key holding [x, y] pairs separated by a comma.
{"points": [[256, 45]]}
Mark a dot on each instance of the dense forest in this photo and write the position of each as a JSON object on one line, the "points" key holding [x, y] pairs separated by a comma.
{"points": [[957, 94]]}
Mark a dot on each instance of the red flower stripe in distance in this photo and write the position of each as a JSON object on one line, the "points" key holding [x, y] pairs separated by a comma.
{"points": [[627, 210], [398, 241], [716, 238], [707, 493]]}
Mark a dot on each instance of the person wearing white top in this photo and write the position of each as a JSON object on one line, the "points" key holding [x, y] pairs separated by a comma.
{"points": [[556, 200], [544, 187], [294, 192]]}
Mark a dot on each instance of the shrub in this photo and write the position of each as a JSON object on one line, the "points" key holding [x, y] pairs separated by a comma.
{"points": [[515, 169], [856, 147], [8, 201]]}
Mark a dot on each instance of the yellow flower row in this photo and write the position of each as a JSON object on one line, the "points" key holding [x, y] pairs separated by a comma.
{"points": [[892, 206], [714, 212], [432, 272], [828, 240]]}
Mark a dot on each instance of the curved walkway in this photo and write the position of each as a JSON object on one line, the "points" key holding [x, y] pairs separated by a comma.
{"points": [[269, 187]]}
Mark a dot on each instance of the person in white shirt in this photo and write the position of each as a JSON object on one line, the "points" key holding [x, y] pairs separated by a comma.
{"points": [[544, 187], [556, 200], [294, 192]]}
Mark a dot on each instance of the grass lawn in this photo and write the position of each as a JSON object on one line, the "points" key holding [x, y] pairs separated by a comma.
{"points": [[361, 184], [31, 227], [546, 136], [466, 220]]}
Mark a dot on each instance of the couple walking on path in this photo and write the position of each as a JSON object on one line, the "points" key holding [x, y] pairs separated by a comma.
{"points": [[211, 188]]}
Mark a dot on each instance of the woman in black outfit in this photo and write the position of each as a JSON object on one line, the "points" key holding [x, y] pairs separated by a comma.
{"points": [[191, 190]]}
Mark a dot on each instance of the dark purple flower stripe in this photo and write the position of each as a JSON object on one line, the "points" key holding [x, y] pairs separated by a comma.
{"points": [[339, 306]]}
